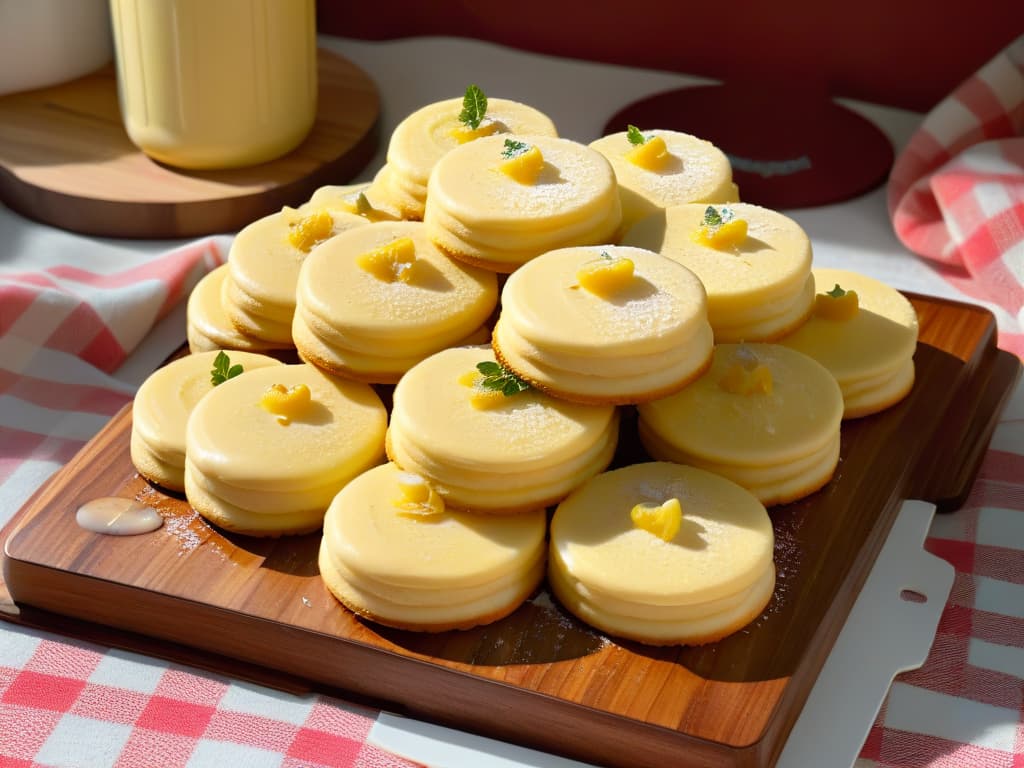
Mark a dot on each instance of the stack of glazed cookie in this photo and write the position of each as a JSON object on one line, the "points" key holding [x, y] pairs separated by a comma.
{"points": [[754, 263], [519, 290], [374, 301], [249, 303], [660, 169]]}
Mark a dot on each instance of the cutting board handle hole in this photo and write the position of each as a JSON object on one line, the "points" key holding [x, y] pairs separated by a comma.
{"points": [[913, 596]]}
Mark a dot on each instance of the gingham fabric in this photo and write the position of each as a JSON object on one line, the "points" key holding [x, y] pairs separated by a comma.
{"points": [[74, 705], [63, 329], [956, 193], [965, 707]]}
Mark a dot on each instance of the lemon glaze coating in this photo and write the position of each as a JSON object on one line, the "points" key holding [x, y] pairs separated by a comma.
{"points": [[208, 326], [523, 452], [870, 354], [694, 171], [759, 289], [477, 213], [715, 575], [355, 323], [646, 340], [264, 264], [438, 571], [162, 407], [428, 134], [248, 471], [781, 445]]}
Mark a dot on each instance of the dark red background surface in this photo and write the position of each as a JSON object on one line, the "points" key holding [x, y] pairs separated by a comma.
{"points": [[907, 53]]}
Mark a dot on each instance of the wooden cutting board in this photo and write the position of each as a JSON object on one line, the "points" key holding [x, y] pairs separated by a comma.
{"points": [[539, 677], [66, 160]]}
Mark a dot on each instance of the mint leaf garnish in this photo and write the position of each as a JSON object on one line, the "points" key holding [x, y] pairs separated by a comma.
{"points": [[500, 379], [635, 137], [474, 107], [514, 148], [715, 217], [223, 370]]}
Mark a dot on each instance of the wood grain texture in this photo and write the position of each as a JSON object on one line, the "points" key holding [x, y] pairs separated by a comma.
{"points": [[539, 677], [66, 160]]}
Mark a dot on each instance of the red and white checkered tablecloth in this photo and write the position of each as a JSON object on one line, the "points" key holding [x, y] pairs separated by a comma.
{"points": [[75, 705], [956, 192], [65, 329], [956, 196]]}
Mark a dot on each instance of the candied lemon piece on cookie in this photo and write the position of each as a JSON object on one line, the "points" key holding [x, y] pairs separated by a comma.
{"points": [[837, 304], [463, 133], [284, 402], [416, 497], [726, 236], [311, 230], [651, 155], [606, 276], [721, 229], [491, 384], [390, 262], [480, 397], [663, 520], [524, 162], [741, 380]]}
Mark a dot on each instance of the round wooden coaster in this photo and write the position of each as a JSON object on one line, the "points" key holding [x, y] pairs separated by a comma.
{"points": [[788, 149], [66, 160]]}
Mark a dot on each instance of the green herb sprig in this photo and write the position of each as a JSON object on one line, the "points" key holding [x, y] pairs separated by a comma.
{"points": [[223, 369], [501, 379], [715, 217], [363, 205], [514, 149], [474, 107], [635, 136], [836, 293]]}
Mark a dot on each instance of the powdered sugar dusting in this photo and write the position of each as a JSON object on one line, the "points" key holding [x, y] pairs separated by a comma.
{"points": [[695, 170], [524, 425], [564, 624], [566, 178], [693, 176], [639, 317], [182, 528], [573, 179]]}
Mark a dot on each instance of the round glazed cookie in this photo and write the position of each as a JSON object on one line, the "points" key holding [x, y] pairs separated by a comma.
{"points": [[374, 301], [867, 342], [680, 169], [429, 133], [393, 553], [163, 405], [642, 335], [485, 209], [208, 327], [488, 452], [763, 416], [689, 580], [259, 293], [759, 286], [266, 452]]}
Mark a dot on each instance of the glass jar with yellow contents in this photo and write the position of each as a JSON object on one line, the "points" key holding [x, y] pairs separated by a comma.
{"points": [[206, 85]]}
